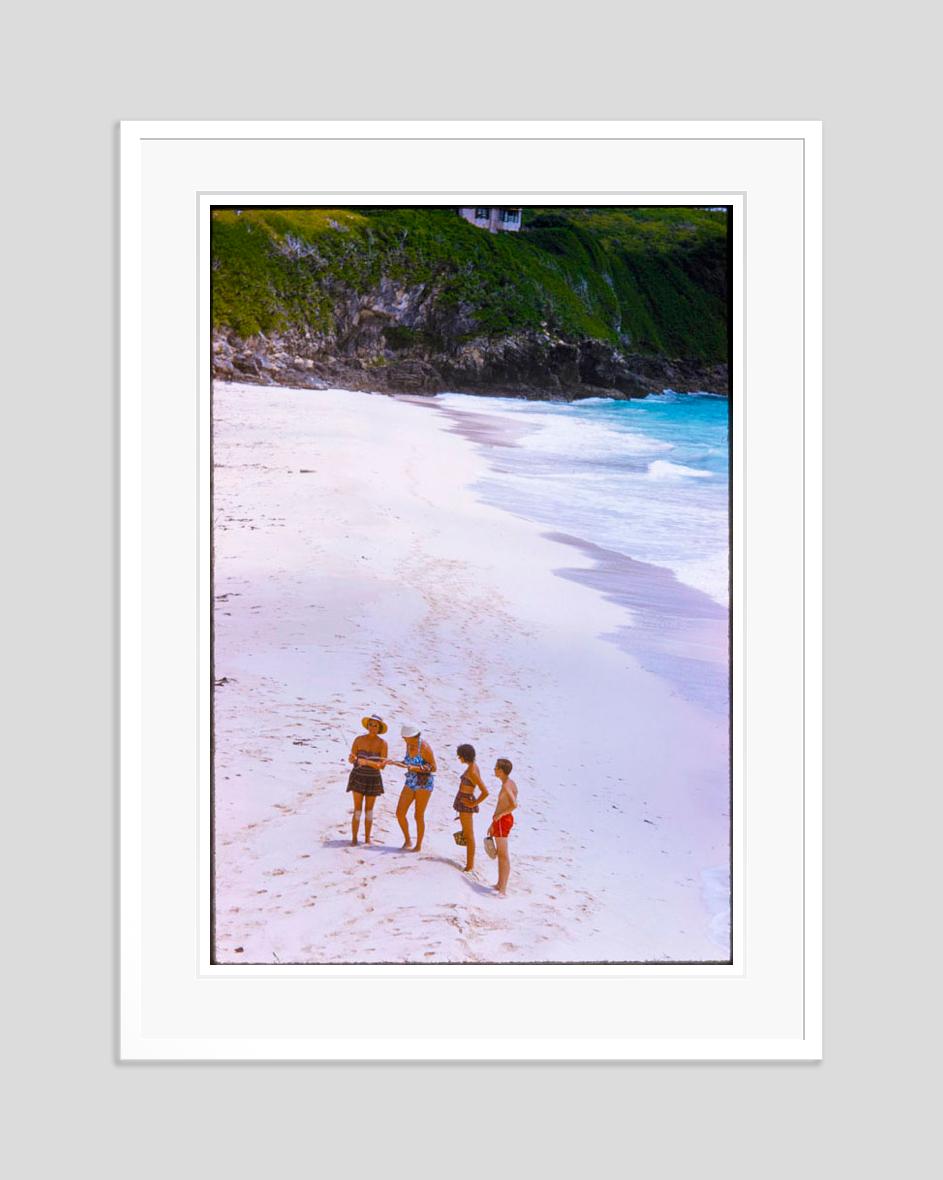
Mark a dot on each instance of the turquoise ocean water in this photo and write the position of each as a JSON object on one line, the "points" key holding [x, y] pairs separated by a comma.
{"points": [[647, 478]]}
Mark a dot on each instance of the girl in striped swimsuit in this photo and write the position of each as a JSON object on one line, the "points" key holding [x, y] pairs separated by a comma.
{"points": [[465, 802]]}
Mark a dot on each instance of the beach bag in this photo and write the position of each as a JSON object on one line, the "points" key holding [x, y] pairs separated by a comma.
{"points": [[459, 838], [490, 847]]}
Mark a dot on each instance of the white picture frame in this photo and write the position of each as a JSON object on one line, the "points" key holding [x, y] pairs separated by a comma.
{"points": [[176, 1004]]}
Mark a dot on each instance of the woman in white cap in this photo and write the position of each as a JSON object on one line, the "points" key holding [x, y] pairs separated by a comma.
{"points": [[420, 767], [368, 757]]}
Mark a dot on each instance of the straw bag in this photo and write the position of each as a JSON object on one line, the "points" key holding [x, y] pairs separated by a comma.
{"points": [[490, 847], [459, 838]]}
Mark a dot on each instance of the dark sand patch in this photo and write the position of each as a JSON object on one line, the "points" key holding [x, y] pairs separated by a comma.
{"points": [[476, 426], [676, 632]]}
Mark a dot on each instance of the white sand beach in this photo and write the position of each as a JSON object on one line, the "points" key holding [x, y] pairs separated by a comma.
{"points": [[356, 571]]}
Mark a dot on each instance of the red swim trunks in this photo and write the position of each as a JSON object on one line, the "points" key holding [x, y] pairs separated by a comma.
{"points": [[502, 826]]}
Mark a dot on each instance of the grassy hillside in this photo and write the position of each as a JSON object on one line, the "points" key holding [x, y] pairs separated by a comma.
{"points": [[651, 280]]}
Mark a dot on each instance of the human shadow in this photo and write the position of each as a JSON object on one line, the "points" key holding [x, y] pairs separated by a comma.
{"points": [[472, 884], [366, 847]]}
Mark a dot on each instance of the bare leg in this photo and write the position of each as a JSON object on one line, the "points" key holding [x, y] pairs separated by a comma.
{"points": [[355, 819], [422, 802], [402, 807], [368, 819], [504, 864], [468, 829]]}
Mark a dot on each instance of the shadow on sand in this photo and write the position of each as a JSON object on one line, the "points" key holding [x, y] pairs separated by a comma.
{"points": [[475, 886], [469, 880], [371, 848]]}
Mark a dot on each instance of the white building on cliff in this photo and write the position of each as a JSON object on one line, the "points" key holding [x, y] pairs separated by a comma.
{"points": [[492, 217]]}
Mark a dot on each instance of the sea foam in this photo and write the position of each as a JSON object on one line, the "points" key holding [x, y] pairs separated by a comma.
{"points": [[647, 478], [664, 469]]}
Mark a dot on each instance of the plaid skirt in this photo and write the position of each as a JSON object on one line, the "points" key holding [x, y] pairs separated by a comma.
{"points": [[366, 780], [461, 803]]}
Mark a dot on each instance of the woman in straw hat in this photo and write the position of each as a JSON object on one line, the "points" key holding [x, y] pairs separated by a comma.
{"points": [[419, 764], [368, 757]]}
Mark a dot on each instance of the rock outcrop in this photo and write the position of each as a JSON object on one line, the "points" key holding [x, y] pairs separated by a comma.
{"points": [[528, 364]]}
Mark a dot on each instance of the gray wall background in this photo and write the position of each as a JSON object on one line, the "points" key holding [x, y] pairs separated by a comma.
{"points": [[73, 71]]}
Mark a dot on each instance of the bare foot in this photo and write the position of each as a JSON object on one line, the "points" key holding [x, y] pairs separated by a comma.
{"points": [[407, 846], [354, 842], [418, 848]]}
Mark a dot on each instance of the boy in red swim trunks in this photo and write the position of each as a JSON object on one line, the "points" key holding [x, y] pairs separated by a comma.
{"points": [[503, 821]]}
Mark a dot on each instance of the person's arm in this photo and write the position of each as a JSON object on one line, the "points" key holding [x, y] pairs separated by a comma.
{"points": [[352, 756], [428, 759], [476, 779], [501, 809]]}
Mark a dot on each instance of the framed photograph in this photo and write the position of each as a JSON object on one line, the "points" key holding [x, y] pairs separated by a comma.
{"points": [[471, 591]]}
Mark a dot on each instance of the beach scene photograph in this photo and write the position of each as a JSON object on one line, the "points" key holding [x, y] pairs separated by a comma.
{"points": [[471, 606]]}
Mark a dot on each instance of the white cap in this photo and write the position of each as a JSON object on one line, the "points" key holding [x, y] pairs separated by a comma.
{"points": [[407, 729]]}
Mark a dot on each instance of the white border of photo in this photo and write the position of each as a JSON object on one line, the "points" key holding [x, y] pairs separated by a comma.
{"points": [[176, 1004]]}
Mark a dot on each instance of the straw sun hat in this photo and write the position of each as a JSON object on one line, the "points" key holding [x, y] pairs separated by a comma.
{"points": [[374, 717]]}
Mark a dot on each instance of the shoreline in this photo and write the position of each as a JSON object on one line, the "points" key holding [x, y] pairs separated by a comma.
{"points": [[676, 631], [342, 591], [673, 629]]}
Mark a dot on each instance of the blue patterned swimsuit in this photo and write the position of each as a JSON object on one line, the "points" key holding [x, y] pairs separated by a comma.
{"points": [[418, 780]]}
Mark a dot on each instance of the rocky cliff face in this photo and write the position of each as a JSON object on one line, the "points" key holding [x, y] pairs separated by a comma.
{"points": [[380, 352]]}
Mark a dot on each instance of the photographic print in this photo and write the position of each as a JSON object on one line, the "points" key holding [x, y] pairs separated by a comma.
{"points": [[471, 571]]}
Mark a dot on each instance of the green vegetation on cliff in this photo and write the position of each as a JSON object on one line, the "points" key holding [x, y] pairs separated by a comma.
{"points": [[648, 279]]}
